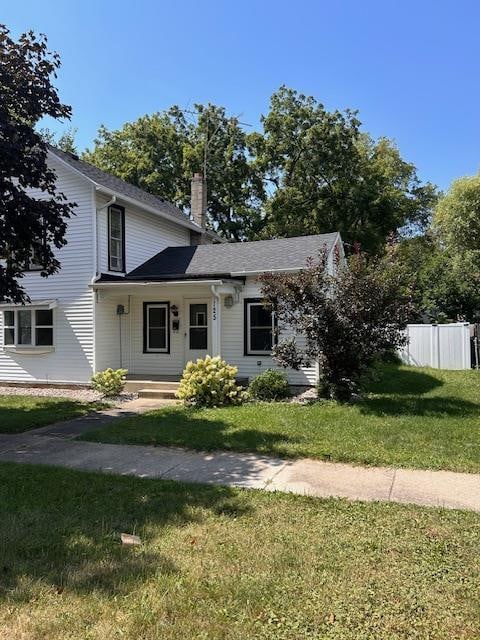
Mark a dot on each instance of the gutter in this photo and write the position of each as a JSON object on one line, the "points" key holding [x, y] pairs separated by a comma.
{"points": [[135, 283]]}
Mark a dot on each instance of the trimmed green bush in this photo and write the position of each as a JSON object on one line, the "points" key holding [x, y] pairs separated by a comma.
{"points": [[272, 384], [210, 383], [109, 382]]}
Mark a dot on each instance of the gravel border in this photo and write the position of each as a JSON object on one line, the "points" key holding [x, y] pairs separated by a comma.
{"points": [[80, 395]]}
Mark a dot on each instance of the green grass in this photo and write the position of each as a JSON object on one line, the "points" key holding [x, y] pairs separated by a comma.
{"points": [[422, 418], [218, 563], [20, 413]]}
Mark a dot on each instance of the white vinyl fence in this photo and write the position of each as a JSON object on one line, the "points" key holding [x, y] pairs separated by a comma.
{"points": [[442, 346]]}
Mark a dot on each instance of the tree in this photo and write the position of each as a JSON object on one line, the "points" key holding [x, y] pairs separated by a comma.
{"points": [[325, 175], [28, 225], [65, 142], [457, 215], [348, 320], [445, 284], [161, 152]]}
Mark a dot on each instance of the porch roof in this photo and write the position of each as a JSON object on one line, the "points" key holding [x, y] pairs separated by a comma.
{"points": [[229, 261]]}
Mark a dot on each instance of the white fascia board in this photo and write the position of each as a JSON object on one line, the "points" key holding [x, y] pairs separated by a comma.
{"points": [[147, 283], [257, 273]]}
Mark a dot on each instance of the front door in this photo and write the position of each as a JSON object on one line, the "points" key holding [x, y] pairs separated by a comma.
{"points": [[197, 333]]}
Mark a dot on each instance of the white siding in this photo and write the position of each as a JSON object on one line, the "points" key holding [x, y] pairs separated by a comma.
{"points": [[145, 235], [72, 359], [133, 357], [139, 363], [233, 343]]}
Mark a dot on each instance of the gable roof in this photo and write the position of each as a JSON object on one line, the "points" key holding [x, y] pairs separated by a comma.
{"points": [[233, 259], [113, 184]]}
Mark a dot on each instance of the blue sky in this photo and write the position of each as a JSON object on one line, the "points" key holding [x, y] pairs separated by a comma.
{"points": [[410, 68]]}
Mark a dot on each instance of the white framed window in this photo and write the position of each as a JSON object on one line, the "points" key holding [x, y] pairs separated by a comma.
{"points": [[28, 327], [156, 327], [259, 328], [116, 238]]}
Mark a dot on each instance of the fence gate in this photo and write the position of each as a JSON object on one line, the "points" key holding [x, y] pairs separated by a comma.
{"points": [[442, 346]]}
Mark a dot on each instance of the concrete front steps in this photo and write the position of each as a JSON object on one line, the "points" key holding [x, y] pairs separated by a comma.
{"points": [[152, 389], [160, 389]]}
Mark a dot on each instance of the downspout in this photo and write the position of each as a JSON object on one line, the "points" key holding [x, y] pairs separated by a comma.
{"points": [[218, 339]]}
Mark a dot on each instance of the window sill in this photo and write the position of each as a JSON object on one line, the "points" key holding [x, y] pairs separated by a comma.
{"points": [[26, 350]]}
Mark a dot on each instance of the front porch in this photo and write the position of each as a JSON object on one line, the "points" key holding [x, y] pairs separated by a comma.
{"points": [[154, 329]]}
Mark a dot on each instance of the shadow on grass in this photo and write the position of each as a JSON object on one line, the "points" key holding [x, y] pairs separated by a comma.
{"points": [[404, 382], [62, 527], [18, 414], [419, 407], [197, 429]]}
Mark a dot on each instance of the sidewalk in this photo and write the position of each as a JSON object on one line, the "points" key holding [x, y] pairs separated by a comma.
{"points": [[54, 445]]}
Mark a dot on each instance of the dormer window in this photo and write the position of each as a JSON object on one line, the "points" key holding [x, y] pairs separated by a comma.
{"points": [[116, 238]]}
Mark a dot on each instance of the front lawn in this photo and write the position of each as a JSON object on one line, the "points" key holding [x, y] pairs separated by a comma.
{"points": [[220, 563], [20, 413], [423, 418]]}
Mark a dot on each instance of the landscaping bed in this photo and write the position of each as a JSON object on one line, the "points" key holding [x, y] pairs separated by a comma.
{"points": [[220, 563], [411, 417]]}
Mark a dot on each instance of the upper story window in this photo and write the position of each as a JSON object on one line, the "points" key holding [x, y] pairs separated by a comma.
{"points": [[259, 328], [28, 327], [116, 238], [34, 262]]}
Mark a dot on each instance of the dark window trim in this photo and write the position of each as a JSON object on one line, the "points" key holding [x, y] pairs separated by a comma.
{"points": [[145, 326], [124, 266], [29, 269], [246, 302]]}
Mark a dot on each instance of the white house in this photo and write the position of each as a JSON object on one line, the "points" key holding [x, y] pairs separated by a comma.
{"points": [[143, 287]]}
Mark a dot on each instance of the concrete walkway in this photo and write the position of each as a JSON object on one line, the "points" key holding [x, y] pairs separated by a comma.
{"points": [[55, 445]]}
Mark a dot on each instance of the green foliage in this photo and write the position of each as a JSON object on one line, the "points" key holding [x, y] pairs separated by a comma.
{"points": [[27, 223], [326, 175], [109, 382], [210, 383], [308, 171], [161, 152], [457, 215], [349, 320], [445, 283], [271, 384], [65, 141]]}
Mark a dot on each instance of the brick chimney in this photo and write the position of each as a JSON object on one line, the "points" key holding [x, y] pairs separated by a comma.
{"points": [[199, 200]]}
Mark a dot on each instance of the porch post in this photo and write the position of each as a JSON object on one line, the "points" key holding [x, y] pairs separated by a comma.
{"points": [[216, 322]]}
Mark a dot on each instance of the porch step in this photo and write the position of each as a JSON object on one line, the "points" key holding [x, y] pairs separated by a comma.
{"points": [[157, 394], [134, 386]]}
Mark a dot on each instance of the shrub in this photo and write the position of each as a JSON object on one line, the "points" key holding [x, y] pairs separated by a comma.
{"points": [[109, 382], [348, 319], [270, 385], [210, 383]]}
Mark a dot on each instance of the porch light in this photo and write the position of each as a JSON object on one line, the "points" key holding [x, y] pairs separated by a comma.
{"points": [[228, 302]]}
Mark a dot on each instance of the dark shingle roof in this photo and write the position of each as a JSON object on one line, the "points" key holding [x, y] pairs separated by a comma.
{"points": [[121, 187], [228, 260]]}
